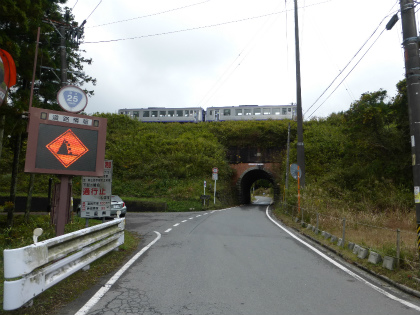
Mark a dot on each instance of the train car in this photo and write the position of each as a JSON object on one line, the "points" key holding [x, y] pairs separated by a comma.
{"points": [[162, 114], [251, 112]]}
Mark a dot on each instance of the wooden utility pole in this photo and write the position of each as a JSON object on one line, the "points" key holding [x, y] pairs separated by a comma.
{"points": [[300, 148], [412, 72]]}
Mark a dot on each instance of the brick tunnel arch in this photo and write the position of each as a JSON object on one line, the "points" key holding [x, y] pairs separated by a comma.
{"points": [[248, 178]]}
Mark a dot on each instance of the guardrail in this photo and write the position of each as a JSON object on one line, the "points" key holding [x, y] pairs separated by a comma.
{"points": [[32, 269]]}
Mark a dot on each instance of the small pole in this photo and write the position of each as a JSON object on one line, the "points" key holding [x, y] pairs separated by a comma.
{"points": [[344, 232], [215, 191], [317, 222], [33, 74], [398, 248]]}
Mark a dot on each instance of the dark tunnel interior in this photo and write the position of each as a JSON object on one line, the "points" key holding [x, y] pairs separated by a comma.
{"points": [[248, 178]]}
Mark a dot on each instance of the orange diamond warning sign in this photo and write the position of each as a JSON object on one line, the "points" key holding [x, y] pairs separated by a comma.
{"points": [[67, 148]]}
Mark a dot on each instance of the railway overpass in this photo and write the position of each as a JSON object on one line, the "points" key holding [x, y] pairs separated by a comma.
{"points": [[251, 164]]}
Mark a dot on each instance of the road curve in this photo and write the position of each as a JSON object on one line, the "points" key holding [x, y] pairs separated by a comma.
{"points": [[235, 261]]}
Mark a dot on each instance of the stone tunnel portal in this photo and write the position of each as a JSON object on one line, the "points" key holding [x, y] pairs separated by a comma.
{"points": [[250, 176]]}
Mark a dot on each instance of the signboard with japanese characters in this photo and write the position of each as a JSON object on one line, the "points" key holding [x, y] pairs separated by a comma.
{"points": [[66, 144], [96, 194]]}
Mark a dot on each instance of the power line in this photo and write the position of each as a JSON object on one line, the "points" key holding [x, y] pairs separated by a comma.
{"points": [[152, 14], [94, 10], [199, 27], [226, 75], [346, 75], [75, 4], [351, 60]]}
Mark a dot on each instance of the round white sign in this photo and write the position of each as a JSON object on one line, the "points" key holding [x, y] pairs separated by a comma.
{"points": [[72, 98]]}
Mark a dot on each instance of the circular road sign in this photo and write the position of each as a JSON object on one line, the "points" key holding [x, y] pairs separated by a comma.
{"points": [[215, 170], [295, 171], [72, 98]]}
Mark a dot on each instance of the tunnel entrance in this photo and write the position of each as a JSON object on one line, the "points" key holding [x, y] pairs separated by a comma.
{"points": [[249, 177]]}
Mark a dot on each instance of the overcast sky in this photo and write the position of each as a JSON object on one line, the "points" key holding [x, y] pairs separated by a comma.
{"points": [[188, 53]]}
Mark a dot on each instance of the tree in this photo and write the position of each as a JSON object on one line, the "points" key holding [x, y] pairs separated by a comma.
{"points": [[19, 21]]}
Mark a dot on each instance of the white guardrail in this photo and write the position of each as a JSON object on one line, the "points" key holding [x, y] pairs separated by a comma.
{"points": [[30, 270]]}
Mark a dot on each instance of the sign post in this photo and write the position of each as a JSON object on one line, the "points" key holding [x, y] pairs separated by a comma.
{"points": [[296, 172], [215, 176], [205, 183]]}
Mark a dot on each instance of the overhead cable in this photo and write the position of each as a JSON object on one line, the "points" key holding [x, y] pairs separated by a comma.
{"points": [[149, 15]]}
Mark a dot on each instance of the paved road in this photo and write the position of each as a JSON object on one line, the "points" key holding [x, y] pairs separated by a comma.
{"points": [[234, 261]]}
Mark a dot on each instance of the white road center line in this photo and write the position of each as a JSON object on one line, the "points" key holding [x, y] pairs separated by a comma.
{"points": [[176, 224], [198, 216], [168, 230], [345, 269], [191, 218], [184, 221]]}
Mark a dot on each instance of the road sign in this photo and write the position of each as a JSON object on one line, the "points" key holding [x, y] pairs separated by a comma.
{"points": [[96, 194], [72, 98], [215, 170], [67, 148], [65, 144], [205, 183], [215, 176], [295, 171]]}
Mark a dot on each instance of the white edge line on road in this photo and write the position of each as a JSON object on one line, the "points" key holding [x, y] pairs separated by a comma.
{"points": [[351, 273], [101, 292]]}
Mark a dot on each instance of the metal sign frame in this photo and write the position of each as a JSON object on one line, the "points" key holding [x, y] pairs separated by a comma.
{"points": [[40, 119]]}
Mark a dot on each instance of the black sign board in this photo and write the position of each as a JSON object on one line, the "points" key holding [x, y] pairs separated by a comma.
{"points": [[67, 144]]}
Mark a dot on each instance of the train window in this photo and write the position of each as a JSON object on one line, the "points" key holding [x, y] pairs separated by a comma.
{"points": [[266, 111], [146, 113], [257, 111], [136, 114], [247, 112], [171, 113], [179, 113], [238, 112], [154, 113], [226, 112], [276, 111], [186, 113], [162, 113]]}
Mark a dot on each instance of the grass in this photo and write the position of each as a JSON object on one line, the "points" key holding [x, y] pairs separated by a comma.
{"points": [[64, 292], [369, 229]]}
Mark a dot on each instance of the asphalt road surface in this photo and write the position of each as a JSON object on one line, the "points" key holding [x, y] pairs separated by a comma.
{"points": [[235, 261]]}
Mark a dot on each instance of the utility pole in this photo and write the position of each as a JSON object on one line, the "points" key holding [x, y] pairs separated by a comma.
{"points": [[300, 148], [63, 56], [412, 73]]}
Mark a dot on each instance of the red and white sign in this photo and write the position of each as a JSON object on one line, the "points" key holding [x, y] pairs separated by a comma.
{"points": [[96, 194], [215, 170]]}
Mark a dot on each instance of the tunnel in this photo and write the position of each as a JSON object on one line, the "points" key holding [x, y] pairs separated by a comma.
{"points": [[248, 178]]}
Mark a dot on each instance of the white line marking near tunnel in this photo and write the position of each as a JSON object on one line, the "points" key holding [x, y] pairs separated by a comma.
{"points": [[101, 292], [351, 273]]}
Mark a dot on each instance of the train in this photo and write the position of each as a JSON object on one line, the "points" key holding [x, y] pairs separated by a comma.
{"points": [[198, 114]]}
